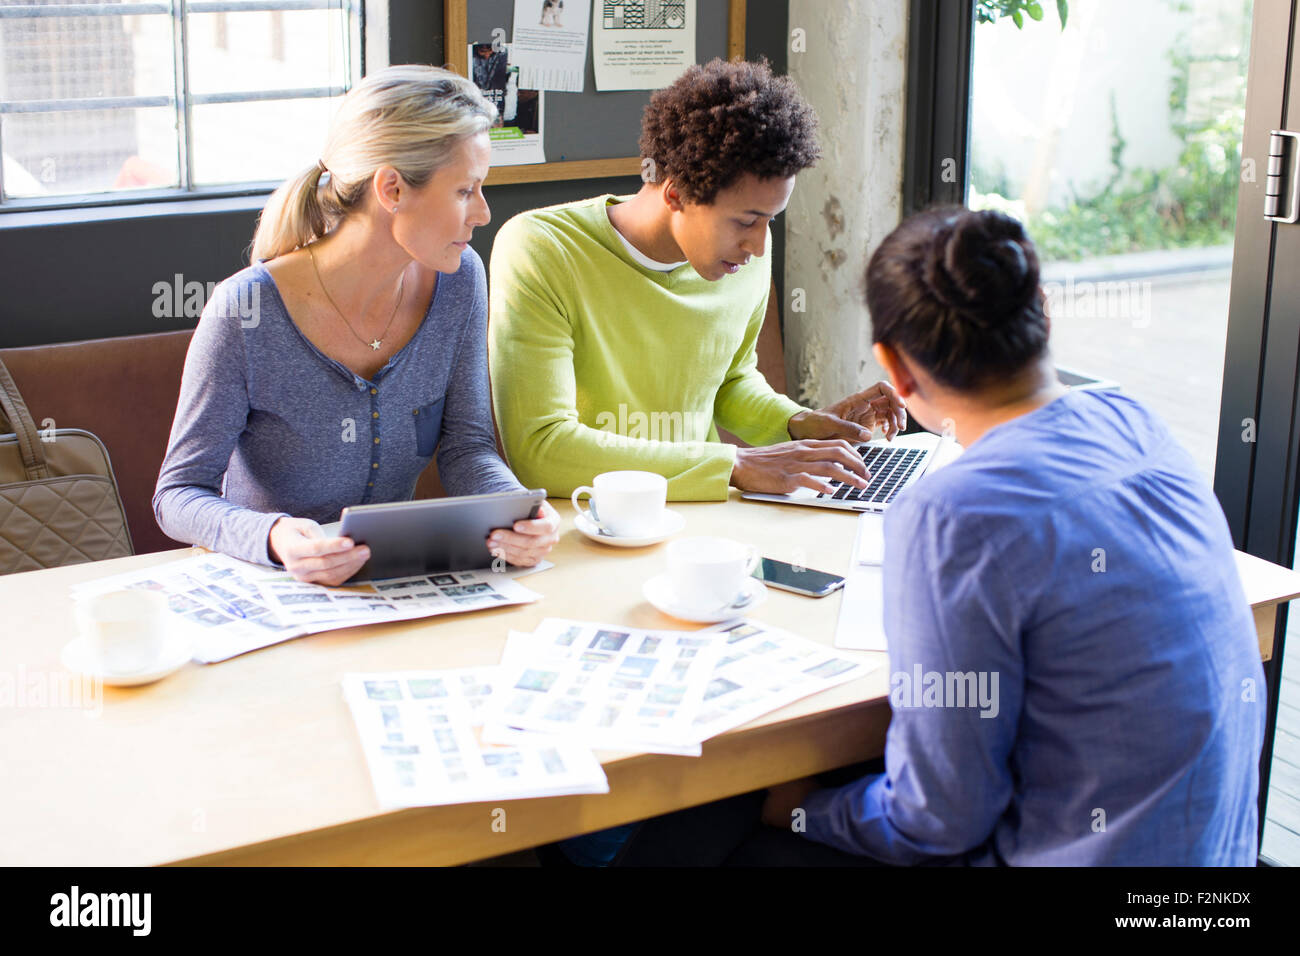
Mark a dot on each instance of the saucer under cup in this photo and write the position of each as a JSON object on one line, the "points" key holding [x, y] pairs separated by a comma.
{"points": [[659, 592], [123, 631], [672, 523], [625, 504], [707, 573]]}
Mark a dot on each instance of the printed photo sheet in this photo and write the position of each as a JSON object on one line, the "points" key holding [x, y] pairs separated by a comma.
{"points": [[420, 731], [394, 599], [764, 668], [760, 669], [229, 607], [607, 686]]}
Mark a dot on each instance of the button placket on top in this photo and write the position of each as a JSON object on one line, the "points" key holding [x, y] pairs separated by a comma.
{"points": [[374, 444]]}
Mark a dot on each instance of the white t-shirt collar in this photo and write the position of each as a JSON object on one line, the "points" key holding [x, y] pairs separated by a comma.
{"points": [[640, 257]]}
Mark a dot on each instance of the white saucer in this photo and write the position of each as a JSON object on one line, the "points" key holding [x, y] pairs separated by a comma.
{"points": [[176, 653], [658, 591], [669, 525]]}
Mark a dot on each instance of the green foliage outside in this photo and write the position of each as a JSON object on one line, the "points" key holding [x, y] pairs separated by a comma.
{"points": [[990, 11], [1191, 203]]}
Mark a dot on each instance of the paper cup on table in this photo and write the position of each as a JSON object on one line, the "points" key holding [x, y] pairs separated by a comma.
{"points": [[124, 631], [626, 503]]}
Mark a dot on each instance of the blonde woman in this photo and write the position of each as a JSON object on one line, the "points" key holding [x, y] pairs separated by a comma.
{"points": [[328, 372]]}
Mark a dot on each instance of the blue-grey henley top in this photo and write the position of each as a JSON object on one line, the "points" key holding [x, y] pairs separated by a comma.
{"points": [[267, 425]]}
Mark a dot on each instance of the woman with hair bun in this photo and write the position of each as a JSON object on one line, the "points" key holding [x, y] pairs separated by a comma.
{"points": [[1070, 579], [330, 371]]}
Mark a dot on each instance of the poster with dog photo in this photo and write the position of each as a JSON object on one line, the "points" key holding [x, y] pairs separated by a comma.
{"points": [[549, 44], [517, 134]]}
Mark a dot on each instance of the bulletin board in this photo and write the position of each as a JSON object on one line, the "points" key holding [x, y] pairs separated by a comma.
{"points": [[587, 135]]}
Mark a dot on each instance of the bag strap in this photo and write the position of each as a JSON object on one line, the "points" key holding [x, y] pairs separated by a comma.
{"points": [[20, 420]]}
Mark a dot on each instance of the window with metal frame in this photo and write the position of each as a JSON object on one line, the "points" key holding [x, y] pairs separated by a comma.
{"points": [[115, 101]]}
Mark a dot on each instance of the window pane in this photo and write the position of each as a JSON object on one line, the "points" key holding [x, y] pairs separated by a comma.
{"points": [[249, 142], [261, 50], [88, 151], [1118, 141], [94, 58], [267, 50]]}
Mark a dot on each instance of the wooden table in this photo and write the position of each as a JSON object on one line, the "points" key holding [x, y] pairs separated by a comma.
{"points": [[256, 760]]}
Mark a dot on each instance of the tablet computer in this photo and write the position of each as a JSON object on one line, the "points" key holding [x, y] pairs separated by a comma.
{"points": [[433, 535]]}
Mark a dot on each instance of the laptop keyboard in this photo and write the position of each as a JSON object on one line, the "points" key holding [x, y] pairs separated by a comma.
{"points": [[890, 468]]}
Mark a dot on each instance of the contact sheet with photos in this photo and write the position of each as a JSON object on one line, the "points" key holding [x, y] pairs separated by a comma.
{"points": [[420, 731], [760, 669], [394, 599], [607, 686], [763, 668], [215, 599], [229, 607]]}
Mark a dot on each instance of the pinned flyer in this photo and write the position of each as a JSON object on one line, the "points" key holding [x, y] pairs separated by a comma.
{"points": [[516, 136], [642, 44], [550, 44]]}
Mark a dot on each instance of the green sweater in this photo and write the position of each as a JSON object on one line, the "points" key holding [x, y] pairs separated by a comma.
{"points": [[600, 364]]}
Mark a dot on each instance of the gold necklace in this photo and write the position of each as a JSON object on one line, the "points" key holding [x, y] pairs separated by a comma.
{"points": [[376, 343]]}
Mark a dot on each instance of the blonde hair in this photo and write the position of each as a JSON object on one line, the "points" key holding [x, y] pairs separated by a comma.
{"points": [[409, 117]]}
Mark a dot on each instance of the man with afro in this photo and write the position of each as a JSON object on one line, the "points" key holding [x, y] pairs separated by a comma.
{"points": [[624, 329]]}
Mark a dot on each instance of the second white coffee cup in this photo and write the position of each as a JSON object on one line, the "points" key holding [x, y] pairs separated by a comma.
{"points": [[125, 631], [626, 503], [707, 573]]}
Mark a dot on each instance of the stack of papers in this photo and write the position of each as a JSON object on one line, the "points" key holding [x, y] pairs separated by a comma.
{"points": [[861, 623], [230, 607], [617, 688], [526, 727], [566, 679]]}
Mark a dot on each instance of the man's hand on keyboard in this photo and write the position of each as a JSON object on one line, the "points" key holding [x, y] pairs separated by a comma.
{"points": [[812, 463], [854, 418]]}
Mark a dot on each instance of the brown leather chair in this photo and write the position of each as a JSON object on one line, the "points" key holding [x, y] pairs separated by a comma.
{"points": [[124, 390]]}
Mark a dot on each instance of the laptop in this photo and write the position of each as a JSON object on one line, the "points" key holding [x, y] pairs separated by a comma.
{"points": [[893, 466]]}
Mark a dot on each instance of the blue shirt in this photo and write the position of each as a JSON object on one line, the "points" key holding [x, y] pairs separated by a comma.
{"points": [[267, 425], [1074, 566]]}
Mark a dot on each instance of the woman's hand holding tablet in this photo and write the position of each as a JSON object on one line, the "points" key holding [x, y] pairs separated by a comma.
{"points": [[530, 540], [306, 553]]}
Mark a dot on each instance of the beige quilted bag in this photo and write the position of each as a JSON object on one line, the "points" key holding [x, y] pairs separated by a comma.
{"points": [[58, 499]]}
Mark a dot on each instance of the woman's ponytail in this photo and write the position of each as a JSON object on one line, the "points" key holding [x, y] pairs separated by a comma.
{"points": [[293, 216]]}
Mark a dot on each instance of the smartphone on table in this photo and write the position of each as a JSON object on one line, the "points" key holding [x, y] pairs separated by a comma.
{"points": [[790, 577]]}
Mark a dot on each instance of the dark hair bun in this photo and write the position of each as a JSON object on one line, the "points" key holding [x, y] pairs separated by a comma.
{"points": [[983, 266], [957, 291]]}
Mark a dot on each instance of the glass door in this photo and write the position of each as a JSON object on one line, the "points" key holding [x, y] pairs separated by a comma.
{"points": [[1135, 141], [1113, 131]]}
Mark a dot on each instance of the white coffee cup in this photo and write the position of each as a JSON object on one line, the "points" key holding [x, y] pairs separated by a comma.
{"points": [[708, 573], [625, 503], [124, 631]]}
